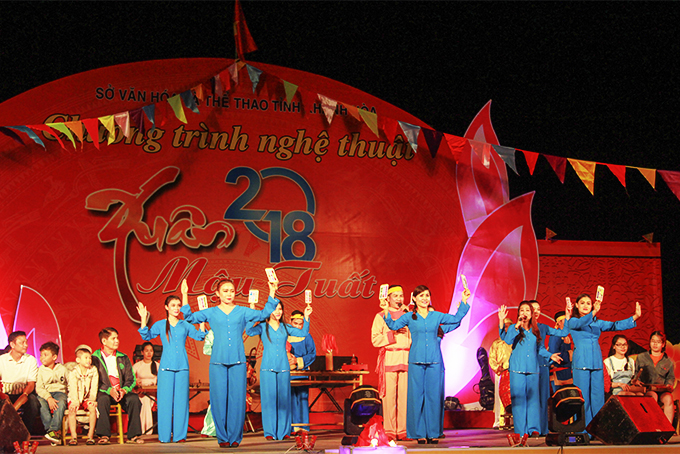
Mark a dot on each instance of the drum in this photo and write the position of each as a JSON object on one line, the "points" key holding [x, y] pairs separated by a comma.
{"points": [[504, 388]]}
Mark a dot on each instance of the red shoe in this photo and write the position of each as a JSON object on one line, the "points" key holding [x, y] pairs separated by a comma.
{"points": [[234, 444], [269, 437], [513, 439], [309, 442], [523, 441], [183, 440], [224, 445]]}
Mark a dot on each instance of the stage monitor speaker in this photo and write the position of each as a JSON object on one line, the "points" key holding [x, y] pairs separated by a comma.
{"points": [[11, 427], [631, 420]]}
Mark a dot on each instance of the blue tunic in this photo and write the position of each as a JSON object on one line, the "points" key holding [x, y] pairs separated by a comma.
{"points": [[173, 377], [524, 379], [587, 361], [275, 376], [544, 372], [425, 394]]}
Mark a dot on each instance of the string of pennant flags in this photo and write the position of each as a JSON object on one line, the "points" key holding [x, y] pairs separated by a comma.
{"points": [[228, 78]]}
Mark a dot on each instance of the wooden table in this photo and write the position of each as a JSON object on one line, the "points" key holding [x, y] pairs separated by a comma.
{"points": [[326, 380]]}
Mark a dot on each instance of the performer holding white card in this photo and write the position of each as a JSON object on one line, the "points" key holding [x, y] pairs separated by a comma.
{"points": [[585, 329], [392, 366]]}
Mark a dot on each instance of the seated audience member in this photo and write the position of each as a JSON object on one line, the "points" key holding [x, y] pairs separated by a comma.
{"points": [[657, 371], [116, 382], [620, 368], [83, 381], [51, 390], [19, 372], [146, 371]]}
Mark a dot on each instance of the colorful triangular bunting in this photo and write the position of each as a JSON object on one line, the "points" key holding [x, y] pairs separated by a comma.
{"points": [[558, 164], [530, 157], [649, 174], [586, 172], [411, 132], [176, 104], [433, 139], [672, 179], [371, 120], [507, 155]]}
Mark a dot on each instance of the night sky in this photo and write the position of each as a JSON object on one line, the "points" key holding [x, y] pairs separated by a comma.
{"points": [[594, 81]]}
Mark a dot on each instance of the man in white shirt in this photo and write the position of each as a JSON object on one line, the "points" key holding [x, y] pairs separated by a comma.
{"points": [[19, 372]]}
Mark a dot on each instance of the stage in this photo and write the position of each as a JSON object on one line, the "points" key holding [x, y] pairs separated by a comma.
{"points": [[478, 440]]}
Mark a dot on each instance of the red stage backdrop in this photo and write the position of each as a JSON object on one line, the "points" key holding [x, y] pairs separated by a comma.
{"points": [[259, 175]]}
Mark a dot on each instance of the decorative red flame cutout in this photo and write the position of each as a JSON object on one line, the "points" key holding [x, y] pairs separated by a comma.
{"points": [[480, 190], [500, 258], [36, 317]]}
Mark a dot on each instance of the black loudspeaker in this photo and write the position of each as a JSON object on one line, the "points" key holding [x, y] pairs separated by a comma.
{"points": [[11, 427], [631, 420]]}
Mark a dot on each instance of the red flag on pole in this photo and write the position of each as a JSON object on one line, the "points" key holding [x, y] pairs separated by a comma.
{"points": [[244, 41]]}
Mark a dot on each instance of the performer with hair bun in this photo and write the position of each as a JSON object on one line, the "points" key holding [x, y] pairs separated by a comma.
{"points": [[585, 330], [424, 420], [392, 365], [228, 360]]}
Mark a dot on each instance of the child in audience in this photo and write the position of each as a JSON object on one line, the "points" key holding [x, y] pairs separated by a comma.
{"points": [[51, 390], [82, 393]]}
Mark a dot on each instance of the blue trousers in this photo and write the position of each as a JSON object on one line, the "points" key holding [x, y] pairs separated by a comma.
{"points": [[425, 400], [524, 392], [228, 400], [543, 396], [591, 384], [52, 421], [173, 405], [276, 403], [300, 405]]}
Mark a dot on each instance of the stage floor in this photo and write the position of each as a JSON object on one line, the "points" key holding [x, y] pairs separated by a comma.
{"points": [[480, 441]]}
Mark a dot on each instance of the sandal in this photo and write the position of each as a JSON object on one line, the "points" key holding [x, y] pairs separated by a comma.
{"points": [[138, 440], [103, 441], [73, 442], [90, 442]]}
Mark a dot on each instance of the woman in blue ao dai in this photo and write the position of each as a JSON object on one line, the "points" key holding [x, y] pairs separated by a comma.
{"points": [[275, 372], [173, 374]]}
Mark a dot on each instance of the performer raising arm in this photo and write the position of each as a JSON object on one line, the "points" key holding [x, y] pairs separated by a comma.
{"points": [[275, 371], [587, 363], [527, 343], [424, 416], [228, 360], [173, 375]]}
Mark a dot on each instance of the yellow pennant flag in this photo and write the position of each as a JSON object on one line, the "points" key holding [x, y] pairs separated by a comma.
{"points": [[586, 172], [61, 127], [371, 120], [110, 124], [649, 174], [290, 89], [176, 104]]}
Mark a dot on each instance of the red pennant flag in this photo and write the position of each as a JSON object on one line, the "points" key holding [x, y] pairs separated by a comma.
{"points": [[389, 127], [456, 145], [672, 179], [244, 41], [47, 129], [619, 172], [92, 128], [531, 159], [549, 234], [558, 164]]}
